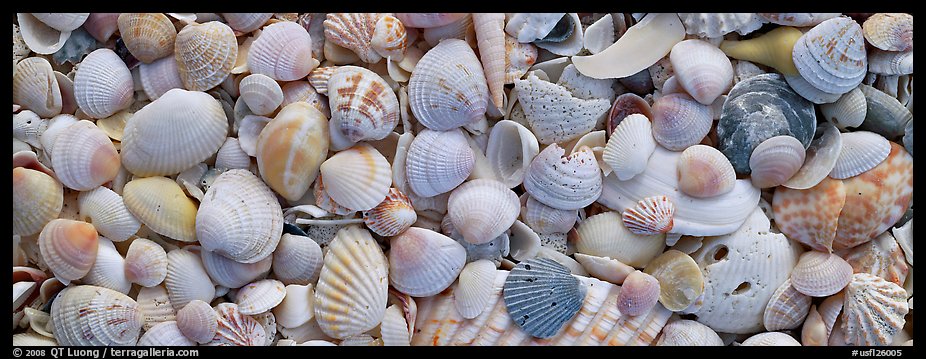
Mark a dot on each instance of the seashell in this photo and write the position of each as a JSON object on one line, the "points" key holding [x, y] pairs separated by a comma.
{"points": [[38, 36], [882, 257], [712, 25], [492, 51], [652, 215], [704, 172], [831, 56], [814, 331], [819, 274], [68, 247], [890, 63], [741, 272], [428, 20], [702, 70], [283, 51], [161, 205], [358, 178], [232, 156], [549, 282], [886, 191], [29, 127], [772, 49], [757, 109], [545, 103], [346, 306], [187, 279], [236, 329], [324, 202], [889, 31], [319, 77], [395, 329], [101, 26], [154, 304], [249, 132], [246, 22], [147, 36], [84, 157], [159, 76], [529, 27], [392, 216], [806, 90], [462, 29], [786, 309], [679, 121], [474, 290], [448, 88], [771, 339], [354, 31], [297, 307], [91, 315], [519, 57], [775, 161], [904, 237], [605, 235], [547, 180], [390, 39], [510, 149], [639, 294], [165, 334], [182, 143], [261, 93], [108, 268], [37, 200], [797, 19], [820, 158], [438, 161], [295, 91], [145, 263], [680, 280], [33, 339], [861, 151], [105, 209], [566, 38], [874, 310], [884, 116], [604, 268], [423, 263], [626, 105], [544, 219], [810, 216], [36, 88], [296, 154], [231, 274], [362, 104], [630, 146], [640, 47], [685, 332], [62, 21], [260, 296], [523, 243], [482, 209], [205, 55]]}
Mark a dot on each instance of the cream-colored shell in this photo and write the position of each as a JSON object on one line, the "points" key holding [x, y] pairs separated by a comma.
{"points": [[776, 339], [260, 296], [91, 315], [62, 21], [831, 55], [545, 103], [107, 212], [874, 310], [84, 157], [145, 263], [704, 172], [37, 199], [205, 54], [605, 235], [448, 87], [148, 36], [423, 263], [482, 209], [291, 148], [283, 51], [298, 260], [357, 178], [154, 305], [161, 205], [36, 88], [186, 279]]}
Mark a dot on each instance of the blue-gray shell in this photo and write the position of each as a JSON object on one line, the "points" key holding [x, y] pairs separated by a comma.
{"points": [[541, 296]]}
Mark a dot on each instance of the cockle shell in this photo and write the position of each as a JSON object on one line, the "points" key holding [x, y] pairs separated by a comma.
{"points": [[147, 36], [890, 63], [772, 49], [885, 115], [861, 151], [807, 91], [392, 216], [37, 200], [472, 294], [160, 76], [395, 328], [282, 52], [246, 22], [84, 157], [771, 339], [161, 205], [197, 321], [630, 146], [831, 56], [236, 329], [38, 36], [554, 114], [786, 309], [874, 310], [36, 88], [232, 156], [605, 235], [62, 21], [684, 332], [107, 212], [680, 279], [482, 209], [354, 31], [261, 93], [318, 78], [652, 215], [704, 172], [297, 307], [775, 161], [423, 262], [324, 201], [541, 296], [438, 161], [820, 158], [154, 305], [639, 294], [239, 217], [295, 91], [564, 182], [390, 39], [187, 279], [448, 87], [679, 121], [145, 263], [428, 20], [291, 148], [797, 19], [68, 247], [882, 257], [103, 84], [91, 315], [357, 178], [347, 305], [165, 334], [362, 104], [205, 54], [231, 274], [889, 31], [544, 219], [260, 296], [820, 274], [711, 25], [701, 69], [810, 215]]}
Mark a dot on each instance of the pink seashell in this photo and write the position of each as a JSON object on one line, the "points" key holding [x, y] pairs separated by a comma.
{"points": [[680, 122], [652, 215], [820, 274], [786, 309], [68, 247], [639, 294], [391, 217], [889, 31], [776, 160], [283, 51], [84, 157], [702, 70], [882, 257], [810, 216], [102, 25]]}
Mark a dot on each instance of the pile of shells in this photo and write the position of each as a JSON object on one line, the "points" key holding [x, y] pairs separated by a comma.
{"points": [[462, 179]]}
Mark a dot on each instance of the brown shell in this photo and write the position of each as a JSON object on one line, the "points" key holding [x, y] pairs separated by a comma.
{"points": [[810, 216]]}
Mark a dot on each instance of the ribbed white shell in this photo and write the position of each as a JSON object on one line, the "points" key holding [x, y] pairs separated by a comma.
{"points": [[62, 21], [680, 122], [283, 51], [482, 209], [164, 334], [231, 156], [564, 182], [861, 151], [701, 69], [685, 332], [448, 87], [108, 268], [37, 199], [395, 329], [231, 274], [423, 263], [474, 290], [154, 305], [438, 161], [103, 84], [246, 22], [820, 274], [544, 219], [159, 76], [831, 56], [362, 103], [775, 161], [261, 93], [90, 315], [205, 54], [630, 146], [809, 92], [298, 260], [357, 178], [84, 157], [186, 279], [703, 171], [786, 309], [776, 339], [106, 211], [353, 31], [146, 263], [260, 296], [147, 36], [36, 88], [390, 38], [605, 235]]}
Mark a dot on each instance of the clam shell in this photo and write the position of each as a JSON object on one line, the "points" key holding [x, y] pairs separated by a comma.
{"points": [[715, 25], [37, 200], [154, 305], [819, 160], [84, 157], [232, 156], [874, 310], [771, 339], [882, 257], [324, 202], [358, 178], [205, 55], [889, 31], [701, 69], [236, 329], [519, 57], [564, 182], [438, 161], [810, 215], [775, 161], [510, 149], [541, 297], [108, 268], [106, 211], [297, 307], [704, 172], [772, 49], [652, 215], [448, 87], [630, 146], [187, 279], [886, 115], [91, 315], [351, 305], [68, 247], [544, 219], [482, 209], [685, 332], [36, 88], [639, 48], [680, 280], [474, 291], [362, 104], [145, 263], [390, 39], [246, 22], [260, 296], [38, 36], [423, 263], [544, 104], [231, 274], [197, 321], [147, 36], [160, 140], [392, 216], [62, 21], [680, 122], [160, 76], [605, 235], [261, 93], [831, 56], [820, 274], [639, 294], [319, 77], [786, 309], [283, 51], [289, 159], [354, 31], [165, 334], [861, 151], [428, 20], [161, 205]]}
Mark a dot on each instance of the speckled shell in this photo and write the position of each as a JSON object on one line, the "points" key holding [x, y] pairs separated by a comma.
{"points": [[246, 22], [685, 332], [354, 31], [786, 309], [889, 31], [236, 329], [103, 84], [36, 88], [283, 51], [357, 178], [187, 279], [701, 69], [362, 104], [91, 315], [37, 199], [353, 285], [205, 54], [438, 161], [231, 274], [882, 257], [820, 274], [160, 204], [448, 89], [482, 209], [775, 161], [810, 215], [564, 181], [291, 148], [545, 103], [147, 36], [145, 263], [718, 24], [261, 93], [605, 235], [390, 39], [154, 305], [392, 216], [159, 76], [68, 247], [680, 122], [874, 310], [541, 296], [106, 210], [705, 172], [831, 56], [423, 263], [630, 146]]}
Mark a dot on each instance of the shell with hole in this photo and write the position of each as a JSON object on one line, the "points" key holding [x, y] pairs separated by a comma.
{"points": [[541, 296], [553, 113], [160, 204], [482, 209], [423, 263], [261, 93], [283, 51], [831, 56], [362, 104], [91, 315], [357, 178], [701, 69], [392, 216], [37, 199], [145, 263], [889, 31], [438, 161], [147, 36], [448, 89], [68, 247], [786, 309], [810, 215], [291, 148], [775, 161], [873, 311], [36, 88], [205, 54], [187, 279], [605, 235], [564, 181], [630, 146]]}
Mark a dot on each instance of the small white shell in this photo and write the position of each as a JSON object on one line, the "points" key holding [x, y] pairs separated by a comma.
{"points": [[438, 161], [474, 290], [231, 274], [544, 219], [482, 209], [62, 21], [246, 22], [197, 321], [776, 160], [357, 178], [605, 235], [84, 157], [186, 279], [680, 122], [423, 263], [164, 334], [604, 268], [55, 127], [261, 93], [260, 296], [428, 20], [510, 149], [528, 27], [712, 25], [630, 146], [807, 91], [297, 307], [159, 76], [154, 304], [108, 268], [701, 69], [448, 88], [564, 182], [395, 329], [291, 148], [145, 263], [106, 211], [820, 274], [232, 156], [861, 151], [298, 260]]}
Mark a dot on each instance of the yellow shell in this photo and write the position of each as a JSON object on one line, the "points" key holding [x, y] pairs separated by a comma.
{"points": [[291, 149], [680, 279], [160, 204], [37, 199], [148, 36], [771, 49]]}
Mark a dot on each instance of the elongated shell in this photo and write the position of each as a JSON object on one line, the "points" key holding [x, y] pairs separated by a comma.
{"points": [[347, 305], [68, 247], [36, 88], [91, 315], [686, 332], [680, 122], [161, 205], [482, 209], [160, 76], [819, 274], [702, 69], [553, 113], [145, 263], [775, 161], [283, 51], [772, 49], [106, 210], [148, 36], [831, 56], [889, 31], [291, 148], [531, 290], [630, 146], [358, 178], [605, 235], [37, 200], [236, 329], [246, 22], [362, 104], [786, 309], [704, 172], [354, 31], [639, 294], [103, 84], [882, 257], [438, 161], [861, 151], [564, 182], [423, 262], [874, 310], [810, 216], [491, 41], [392, 216], [205, 54], [448, 87]]}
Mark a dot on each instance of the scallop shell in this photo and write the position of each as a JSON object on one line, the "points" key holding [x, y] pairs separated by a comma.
{"points": [[544, 104], [474, 291], [712, 25], [36, 88], [165, 334], [511, 147], [161, 205], [630, 146], [448, 87], [38, 36], [704, 172], [786, 309], [246, 22], [283, 51], [810, 215], [639, 294], [797, 19], [297, 307], [147, 36], [231, 274], [395, 329], [605, 235], [423, 263], [680, 279], [205, 54], [145, 263], [392, 216], [236, 329], [564, 182], [362, 104], [532, 292], [108, 269], [358, 178], [544, 219], [354, 31], [819, 274], [772, 49], [882, 257], [390, 39], [775, 161], [260, 296], [232, 156], [679, 121], [261, 93], [702, 70], [874, 310], [820, 158], [296, 154], [106, 210], [685, 332], [68, 247], [652, 215], [889, 31], [861, 151], [482, 209], [438, 161], [428, 20], [37, 200], [187, 279], [159, 76], [886, 115], [771, 339], [890, 63], [831, 56], [351, 305], [91, 315]]}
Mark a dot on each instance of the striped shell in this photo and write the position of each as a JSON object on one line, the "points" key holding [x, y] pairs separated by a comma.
{"points": [[362, 104], [861, 151], [90, 315], [471, 296], [145, 263], [37, 199], [392, 216], [160, 204], [187, 279], [103, 84], [448, 87], [318, 78], [701, 69], [298, 260], [705, 172], [84, 157], [148, 36], [820, 274], [652, 215], [684, 332], [159, 76], [775, 161], [639, 294], [236, 329], [438, 161], [68, 247], [423, 263], [291, 148], [260, 296], [295, 91], [231, 274], [544, 219], [357, 178], [831, 56], [283, 51], [261, 93], [680, 279], [545, 103], [542, 296], [205, 54], [874, 310], [164, 334], [246, 22], [680, 122], [395, 329], [482, 209], [36, 88], [232, 156], [107, 212], [605, 235], [786, 309], [889, 31], [630, 146], [154, 304], [810, 215], [490, 35], [390, 39], [354, 31], [564, 181], [849, 111]]}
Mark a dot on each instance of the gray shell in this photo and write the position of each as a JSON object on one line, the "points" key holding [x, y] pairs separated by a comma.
{"points": [[908, 137], [886, 116], [759, 108], [541, 296]]}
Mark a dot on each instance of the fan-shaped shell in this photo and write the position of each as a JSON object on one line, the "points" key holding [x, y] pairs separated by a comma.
{"points": [[820, 274], [820, 158], [357, 178], [147, 36], [482, 209], [772, 49], [187, 279], [395, 329], [541, 296], [553, 113], [108, 214], [630, 146], [298, 260], [890, 63], [37, 199], [236, 329], [775, 161], [810, 215], [283, 51], [205, 54], [324, 201], [35, 87], [771, 339], [318, 78], [84, 157], [652, 215], [882, 257], [260, 296], [874, 310], [165, 334], [684, 332], [679, 121], [712, 25], [392, 216], [786, 309], [354, 31], [91, 315], [231, 274], [68, 247], [448, 87], [564, 182], [390, 39], [145, 263], [291, 148], [705, 172], [889, 31], [639, 294], [246, 22], [261, 93], [701, 69], [605, 235], [362, 103], [161, 205], [861, 151], [423, 262], [159, 76], [103, 84], [831, 56], [438, 161], [544, 219]]}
